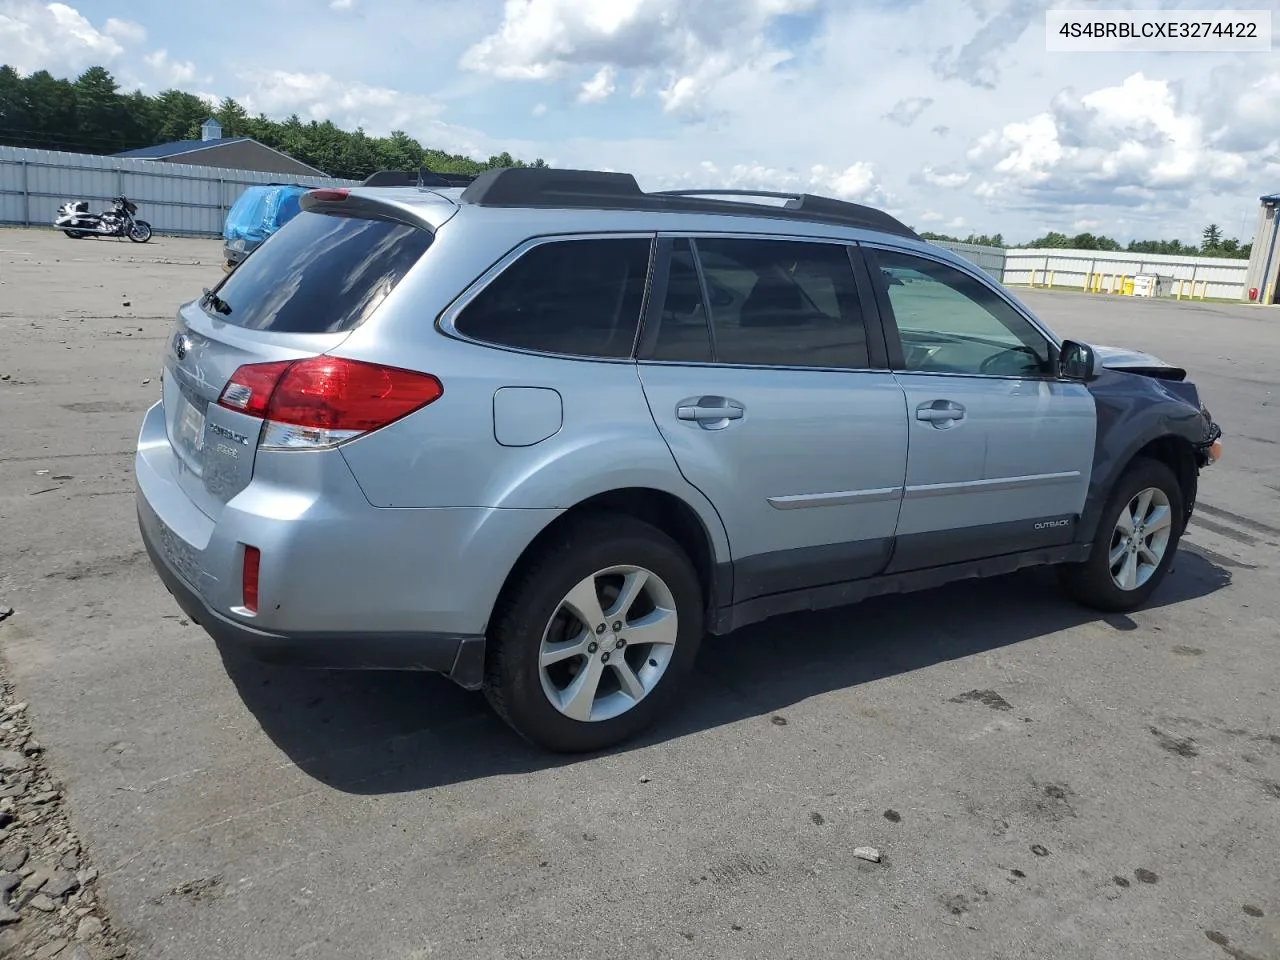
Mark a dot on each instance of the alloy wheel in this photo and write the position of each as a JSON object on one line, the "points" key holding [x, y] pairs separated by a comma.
{"points": [[608, 643], [1140, 539]]}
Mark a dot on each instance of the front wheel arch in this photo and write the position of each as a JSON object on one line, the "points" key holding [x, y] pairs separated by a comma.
{"points": [[1178, 455], [1175, 452]]}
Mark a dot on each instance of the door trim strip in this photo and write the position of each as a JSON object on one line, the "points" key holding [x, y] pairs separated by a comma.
{"points": [[921, 490], [839, 498]]}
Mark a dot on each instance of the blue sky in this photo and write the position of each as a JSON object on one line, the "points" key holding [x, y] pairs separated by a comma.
{"points": [[949, 113]]}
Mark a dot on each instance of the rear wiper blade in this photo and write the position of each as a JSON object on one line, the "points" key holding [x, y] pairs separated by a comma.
{"points": [[211, 299]]}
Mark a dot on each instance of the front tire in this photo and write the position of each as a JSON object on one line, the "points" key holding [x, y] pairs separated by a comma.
{"points": [[140, 232], [591, 642], [1137, 538]]}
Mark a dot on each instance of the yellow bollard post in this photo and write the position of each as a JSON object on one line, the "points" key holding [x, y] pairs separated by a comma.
{"points": [[1177, 293], [1051, 273], [1032, 281], [1267, 298]]}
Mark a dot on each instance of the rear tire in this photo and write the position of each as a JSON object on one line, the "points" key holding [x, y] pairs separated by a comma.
{"points": [[74, 234], [1130, 557], [540, 651]]}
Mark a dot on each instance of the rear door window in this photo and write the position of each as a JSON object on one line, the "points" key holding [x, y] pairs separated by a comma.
{"points": [[574, 297], [318, 274], [770, 302]]}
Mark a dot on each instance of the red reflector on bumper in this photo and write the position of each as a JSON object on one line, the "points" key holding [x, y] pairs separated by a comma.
{"points": [[249, 588]]}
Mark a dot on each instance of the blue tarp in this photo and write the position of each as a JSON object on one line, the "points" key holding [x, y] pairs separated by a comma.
{"points": [[260, 212]]}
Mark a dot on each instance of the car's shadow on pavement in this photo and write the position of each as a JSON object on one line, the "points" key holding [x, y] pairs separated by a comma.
{"points": [[381, 732]]}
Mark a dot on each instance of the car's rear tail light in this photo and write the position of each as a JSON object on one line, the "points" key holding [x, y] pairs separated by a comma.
{"points": [[330, 195], [249, 581], [323, 401], [250, 387]]}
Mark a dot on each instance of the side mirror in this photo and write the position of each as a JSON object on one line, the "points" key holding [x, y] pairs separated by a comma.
{"points": [[1077, 361]]}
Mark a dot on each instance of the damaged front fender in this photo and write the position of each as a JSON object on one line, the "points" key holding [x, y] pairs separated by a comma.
{"points": [[1137, 410]]}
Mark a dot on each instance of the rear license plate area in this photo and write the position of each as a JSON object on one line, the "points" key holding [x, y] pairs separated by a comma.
{"points": [[189, 426], [182, 558]]}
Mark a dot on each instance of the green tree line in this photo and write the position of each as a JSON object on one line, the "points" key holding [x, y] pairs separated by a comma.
{"points": [[1212, 243], [91, 114]]}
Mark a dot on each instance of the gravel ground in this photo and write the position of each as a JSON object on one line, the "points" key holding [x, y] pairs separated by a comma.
{"points": [[981, 771], [48, 890]]}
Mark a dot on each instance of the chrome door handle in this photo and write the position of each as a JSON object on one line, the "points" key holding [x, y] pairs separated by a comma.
{"points": [[712, 413]]}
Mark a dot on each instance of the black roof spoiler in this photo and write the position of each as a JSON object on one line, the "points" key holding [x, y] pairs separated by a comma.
{"points": [[419, 178], [599, 190]]}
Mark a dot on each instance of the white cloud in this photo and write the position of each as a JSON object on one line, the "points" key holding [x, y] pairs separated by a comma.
{"points": [[856, 182], [946, 179], [342, 5], [126, 31], [54, 37], [979, 61], [600, 87], [377, 110], [1242, 107], [173, 73], [906, 112], [932, 216], [1128, 142], [692, 44], [320, 96], [539, 110]]}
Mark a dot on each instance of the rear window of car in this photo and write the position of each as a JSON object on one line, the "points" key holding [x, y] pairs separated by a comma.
{"points": [[577, 297], [318, 274]]}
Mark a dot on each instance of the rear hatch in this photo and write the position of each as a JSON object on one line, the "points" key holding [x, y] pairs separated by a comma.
{"points": [[300, 294]]}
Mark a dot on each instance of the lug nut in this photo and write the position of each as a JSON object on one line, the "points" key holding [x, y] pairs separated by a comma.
{"points": [[617, 625], [602, 628], [621, 643], [604, 658], [592, 647]]}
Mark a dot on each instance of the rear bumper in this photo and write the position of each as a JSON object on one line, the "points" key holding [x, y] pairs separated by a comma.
{"points": [[461, 658]]}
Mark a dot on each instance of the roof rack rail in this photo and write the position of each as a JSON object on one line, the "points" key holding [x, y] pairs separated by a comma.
{"points": [[600, 190], [417, 178]]}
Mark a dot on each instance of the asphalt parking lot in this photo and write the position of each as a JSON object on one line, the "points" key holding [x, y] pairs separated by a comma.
{"points": [[1041, 781]]}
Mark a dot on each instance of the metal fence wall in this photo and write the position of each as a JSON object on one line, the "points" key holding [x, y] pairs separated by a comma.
{"points": [[175, 198], [1209, 276], [990, 259]]}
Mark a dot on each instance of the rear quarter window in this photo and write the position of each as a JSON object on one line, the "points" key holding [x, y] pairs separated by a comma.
{"points": [[575, 297], [318, 274]]}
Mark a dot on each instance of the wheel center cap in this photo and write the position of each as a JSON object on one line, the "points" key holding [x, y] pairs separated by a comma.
{"points": [[609, 642]]}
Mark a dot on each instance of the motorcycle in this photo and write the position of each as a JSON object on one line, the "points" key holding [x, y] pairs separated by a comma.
{"points": [[75, 220]]}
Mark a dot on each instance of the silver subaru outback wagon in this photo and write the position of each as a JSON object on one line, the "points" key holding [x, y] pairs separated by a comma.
{"points": [[542, 433]]}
